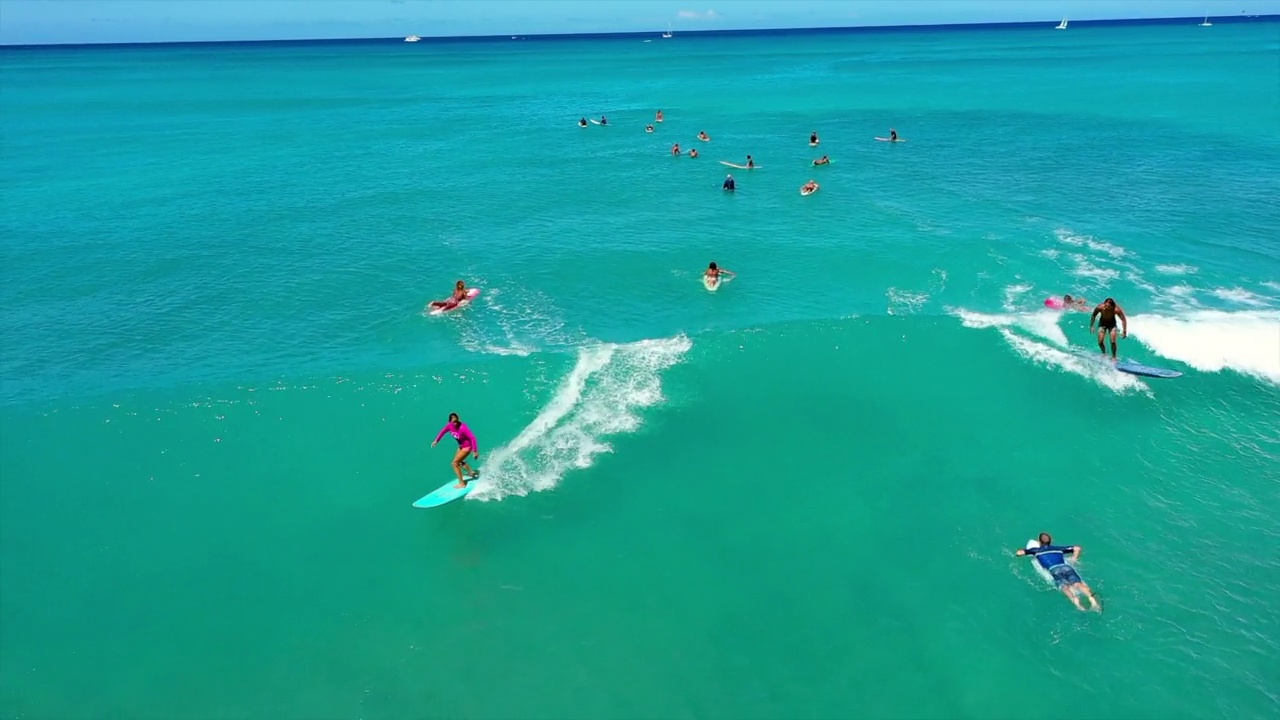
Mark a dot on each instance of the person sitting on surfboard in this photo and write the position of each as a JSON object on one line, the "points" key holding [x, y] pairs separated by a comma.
{"points": [[466, 445], [648, 128], [675, 149], [893, 135], [604, 120], [750, 163], [658, 118], [809, 188], [693, 152], [459, 294], [813, 138], [703, 136], [1106, 316], [729, 184], [824, 160], [582, 122], [715, 274], [1053, 559]]}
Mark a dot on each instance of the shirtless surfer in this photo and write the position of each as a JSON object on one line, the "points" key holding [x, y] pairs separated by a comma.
{"points": [[675, 150], [809, 188], [813, 138], [824, 160], [703, 136], [715, 274], [693, 152], [658, 117], [1106, 314]]}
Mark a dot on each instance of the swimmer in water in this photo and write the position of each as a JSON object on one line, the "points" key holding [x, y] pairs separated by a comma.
{"points": [[729, 184], [675, 150], [1053, 558], [648, 128], [693, 152], [459, 294], [658, 118], [809, 188], [813, 138], [467, 445], [824, 160], [703, 136], [582, 122], [1106, 314], [715, 274], [1074, 303]]}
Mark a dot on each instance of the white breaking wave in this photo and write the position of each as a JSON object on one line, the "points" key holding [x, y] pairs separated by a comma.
{"points": [[601, 396], [1069, 238], [1012, 293], [1247, 342], [519, 325], [905, 302], [1175, 269], [1240, 296]]}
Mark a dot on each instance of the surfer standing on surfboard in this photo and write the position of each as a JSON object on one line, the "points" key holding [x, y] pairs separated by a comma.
{"points": [[459, 294], [1053, 558], [466, 444], [1106, 314]]}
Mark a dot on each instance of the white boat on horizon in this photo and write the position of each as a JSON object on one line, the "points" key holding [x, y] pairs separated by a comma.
{"points": [[668, 33], [412, 38], [1206, 22], [1062, 25]]}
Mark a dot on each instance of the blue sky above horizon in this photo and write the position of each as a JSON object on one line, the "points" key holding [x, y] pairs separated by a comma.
{"points": [[97, 21]]}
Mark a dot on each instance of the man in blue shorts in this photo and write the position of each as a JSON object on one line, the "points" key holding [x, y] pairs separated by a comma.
{"points": [[1053, 558]]}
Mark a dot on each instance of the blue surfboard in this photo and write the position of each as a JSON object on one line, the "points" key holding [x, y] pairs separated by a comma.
{"points": [[1136, 368], [446, 493]]}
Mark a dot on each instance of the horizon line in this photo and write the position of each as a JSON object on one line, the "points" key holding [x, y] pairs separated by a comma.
{"points": [[1021, 24]]}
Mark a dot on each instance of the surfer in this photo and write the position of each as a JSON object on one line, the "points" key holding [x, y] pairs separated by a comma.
{"points": [[703, 136], [1074, 303], [1053, 559], [658, 118], [824, 160], [1106, 314], [813, 138], [466, 445], [693, 152], [604, 120], [582, 122], [715, 274], [459, 294], [809, 188], [729, 184], [751, 164], [648, 128], [893, 135], [675, 150]]}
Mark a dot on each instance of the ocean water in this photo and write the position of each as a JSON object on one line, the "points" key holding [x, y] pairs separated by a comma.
{"points": [[794, 498]]}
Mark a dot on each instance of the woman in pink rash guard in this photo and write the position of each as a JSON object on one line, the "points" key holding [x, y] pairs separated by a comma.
{"points": [[466, 444]]}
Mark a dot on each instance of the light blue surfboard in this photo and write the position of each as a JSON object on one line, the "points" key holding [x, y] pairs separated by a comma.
{"points": [[446, 493], [1136, 368]]}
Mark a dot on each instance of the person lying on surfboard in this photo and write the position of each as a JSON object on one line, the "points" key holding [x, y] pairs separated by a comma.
{"points": [[466, 445], [824, 160], [809, 188], [1071, 303], [703, 136], [1053, 558], [459, 294], [1106, 316], [714, 273]]}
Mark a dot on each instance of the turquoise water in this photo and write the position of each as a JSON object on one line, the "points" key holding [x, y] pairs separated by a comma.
{"points": [[796, 497]]}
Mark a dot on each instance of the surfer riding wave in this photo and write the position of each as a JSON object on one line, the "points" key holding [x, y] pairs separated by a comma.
{"points": [[466, 445]]}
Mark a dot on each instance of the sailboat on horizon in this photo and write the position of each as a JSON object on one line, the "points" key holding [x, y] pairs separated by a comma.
{"points": [[667, 34], [1206, 22], [1062, 25]]}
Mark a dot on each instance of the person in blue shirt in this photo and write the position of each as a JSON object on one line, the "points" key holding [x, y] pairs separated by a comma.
{"points": [[1053, 558], [729, 184]]}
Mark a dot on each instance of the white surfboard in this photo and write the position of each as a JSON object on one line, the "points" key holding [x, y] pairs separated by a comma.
{"points": [[739, 167]]}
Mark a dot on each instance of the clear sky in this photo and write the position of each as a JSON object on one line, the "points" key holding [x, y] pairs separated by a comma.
{"points": [[91, 21]]}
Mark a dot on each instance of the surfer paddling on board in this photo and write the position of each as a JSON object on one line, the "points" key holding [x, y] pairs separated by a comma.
{"points": [[1053, 558], [703, 136], [809, 188], [1106, 314], [459, 294], [715, 274], [824, 160], [729, 184], [1071, 303], [466, 445]]}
